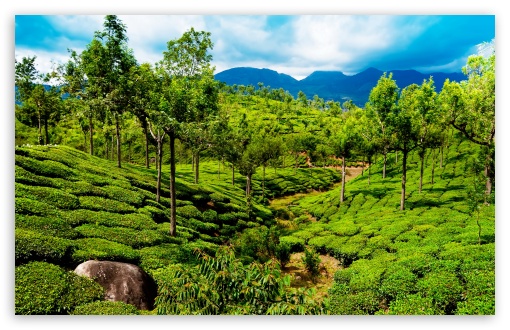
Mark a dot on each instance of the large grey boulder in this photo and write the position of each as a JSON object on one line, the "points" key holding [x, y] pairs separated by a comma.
{"points": [[122, 282]]}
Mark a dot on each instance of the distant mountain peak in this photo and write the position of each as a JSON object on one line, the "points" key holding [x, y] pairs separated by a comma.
{"points": [[330, 85]]}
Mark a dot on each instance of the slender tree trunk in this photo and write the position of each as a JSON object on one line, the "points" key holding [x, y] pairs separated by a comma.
{"points": [[117, 133], [197, 166], [263, 181], [396, 157], [488, 184], [46, 135], [369, 164], [172, 184], [441, 162], [192, 162], [233, 175], [106, 145], [384, 166], [248, 186], [433, 166], [362, 167], [84, 141], [342, 193], [40, 130], [219, 168], [146, 143], [159, 160], [91, 130], [404, 171], [422, 161], [113, 148]]}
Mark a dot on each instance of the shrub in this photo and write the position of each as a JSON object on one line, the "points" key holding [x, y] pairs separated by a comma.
{"points": [[102, 204], [443, 288], [52, 196], [127, 236], [295, 244], [282, 253], [210, 216], [189, 211], [43, 288], [49, 226], [162, 255], [123, 195], [156, 214], [47, 168], [102, 249], [32, 207], [413, 304], [80, 188], [23, 176], [217, 197], [106, 308], [34, 246], [312, 261], [397, 281], [203, 227]]}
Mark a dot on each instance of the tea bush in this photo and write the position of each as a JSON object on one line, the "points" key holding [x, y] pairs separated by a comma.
{"points": [[106, 308], [34, 246], [103, 204], [42, 288]]}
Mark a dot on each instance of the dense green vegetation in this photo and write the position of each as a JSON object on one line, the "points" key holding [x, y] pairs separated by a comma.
{"points": [[413, 234]]}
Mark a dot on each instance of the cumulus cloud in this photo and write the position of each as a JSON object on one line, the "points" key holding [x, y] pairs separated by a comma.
{"points": [[295, 45]]}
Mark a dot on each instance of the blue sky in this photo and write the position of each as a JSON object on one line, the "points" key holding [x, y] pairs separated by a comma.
{"points": [[296, 45]]}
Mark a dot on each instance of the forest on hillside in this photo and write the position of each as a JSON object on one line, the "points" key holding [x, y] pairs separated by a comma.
{"points": [[232, 198]]}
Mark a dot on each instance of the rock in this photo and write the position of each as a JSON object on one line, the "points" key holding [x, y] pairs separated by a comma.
{"points": [[122, 282]]}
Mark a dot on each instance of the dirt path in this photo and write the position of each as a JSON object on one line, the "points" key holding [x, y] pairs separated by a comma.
{"points": [[295, 267], [302, 279]]}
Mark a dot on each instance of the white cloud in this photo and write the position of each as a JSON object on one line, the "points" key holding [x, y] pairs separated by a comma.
{"points": [[78, 25], [149, 34], [45, 61]]}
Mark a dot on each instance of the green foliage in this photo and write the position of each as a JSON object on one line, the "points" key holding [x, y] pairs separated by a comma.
{"points": [[43, 288], [258, 243], [49, 226], [52, 196], [34, 246], [312, 261], [103, 204], [413, 304], [223, 285], [106, 308], [102, 249], [127, 236], [189, 211]]}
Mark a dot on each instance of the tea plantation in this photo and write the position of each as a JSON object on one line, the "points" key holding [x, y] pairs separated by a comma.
{"points": [[425, 260], [71, 207]]}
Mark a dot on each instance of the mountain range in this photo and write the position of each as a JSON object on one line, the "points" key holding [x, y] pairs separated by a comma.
{"points": [[331, 85]]}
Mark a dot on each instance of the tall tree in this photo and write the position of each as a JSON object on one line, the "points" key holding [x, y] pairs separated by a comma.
{"points": [[471, 107], [344, 141], [427, 117], [107, 62], [406, 129], [145, 88], [38, 104], [381, 102], [184, 63]]}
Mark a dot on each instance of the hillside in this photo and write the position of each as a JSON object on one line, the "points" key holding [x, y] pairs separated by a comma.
{"points": [[331, 85], [71, 207], [425, 260]]}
